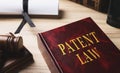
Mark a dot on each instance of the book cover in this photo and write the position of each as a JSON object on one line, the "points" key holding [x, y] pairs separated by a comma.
{"points": [[79, 47]]}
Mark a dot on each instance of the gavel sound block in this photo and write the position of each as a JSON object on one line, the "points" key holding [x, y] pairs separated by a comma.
{"points": [[13, 55]]}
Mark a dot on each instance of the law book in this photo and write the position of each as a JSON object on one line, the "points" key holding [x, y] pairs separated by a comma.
{"points": [[99, 5], [79, 47]]}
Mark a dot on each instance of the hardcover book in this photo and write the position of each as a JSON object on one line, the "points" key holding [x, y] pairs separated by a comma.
{"points": [[99, 5], [79, 47]]}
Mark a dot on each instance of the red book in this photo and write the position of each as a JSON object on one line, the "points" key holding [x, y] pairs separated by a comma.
{"points": [[79, 47]]}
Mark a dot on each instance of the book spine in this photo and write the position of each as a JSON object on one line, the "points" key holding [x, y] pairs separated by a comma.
{"points": [[85, 2], [78, 1], [104, 5], [99, 5], [48, 56]]}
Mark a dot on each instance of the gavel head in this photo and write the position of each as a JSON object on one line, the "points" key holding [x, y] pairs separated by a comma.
{"points": [[14, 44], [10, 46]]}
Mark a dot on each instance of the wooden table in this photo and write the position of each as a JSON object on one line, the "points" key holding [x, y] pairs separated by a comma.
{"points": [[69, 12]]}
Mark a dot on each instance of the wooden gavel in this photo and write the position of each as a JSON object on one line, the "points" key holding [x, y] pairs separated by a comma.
{"points": [[9, 45]]}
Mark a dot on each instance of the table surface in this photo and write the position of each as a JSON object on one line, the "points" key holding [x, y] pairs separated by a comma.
{"points": [[68, 12]]}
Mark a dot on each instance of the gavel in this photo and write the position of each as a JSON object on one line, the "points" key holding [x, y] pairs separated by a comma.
{"points": [[9, 46]]}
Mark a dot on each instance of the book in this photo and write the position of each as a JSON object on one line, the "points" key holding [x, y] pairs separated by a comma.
{"points": [[78, 1], [99, 5], [79, 47]]}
